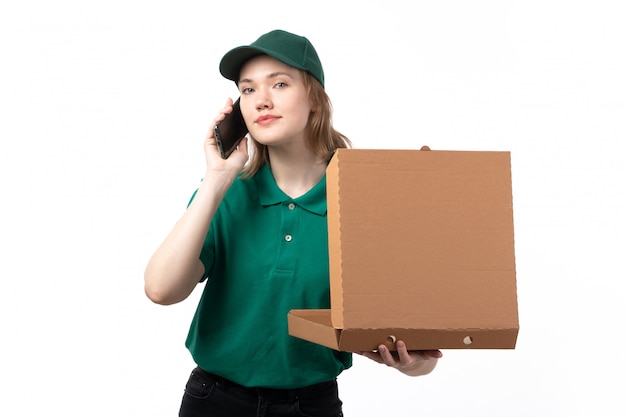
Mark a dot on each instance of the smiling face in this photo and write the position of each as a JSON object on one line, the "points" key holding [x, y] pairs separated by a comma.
{"points": [[274, 102]]}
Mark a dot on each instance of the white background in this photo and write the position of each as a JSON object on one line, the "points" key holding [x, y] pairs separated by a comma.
{"points": [[103, 109]]}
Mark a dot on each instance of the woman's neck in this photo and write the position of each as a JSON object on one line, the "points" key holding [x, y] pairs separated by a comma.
{"points": [[296, 173]]}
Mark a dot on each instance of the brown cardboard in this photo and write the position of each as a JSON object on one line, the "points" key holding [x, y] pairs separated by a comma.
{"points": [[421, 250]]}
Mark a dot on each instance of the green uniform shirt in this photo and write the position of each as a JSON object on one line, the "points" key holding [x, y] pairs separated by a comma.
{"points": [[265, 254]]}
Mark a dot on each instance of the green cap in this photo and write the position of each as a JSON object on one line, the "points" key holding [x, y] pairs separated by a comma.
{"points": [[290, 49]]}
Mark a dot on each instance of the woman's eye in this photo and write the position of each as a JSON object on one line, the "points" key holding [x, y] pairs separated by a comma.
{"points": [[247, 90], [281, 85]]}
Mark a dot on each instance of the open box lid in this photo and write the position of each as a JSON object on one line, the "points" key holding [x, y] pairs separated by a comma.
{"points": [[421, 240]]}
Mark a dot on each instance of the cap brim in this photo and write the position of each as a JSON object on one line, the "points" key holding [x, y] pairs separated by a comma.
{"points": [[231, 63]]}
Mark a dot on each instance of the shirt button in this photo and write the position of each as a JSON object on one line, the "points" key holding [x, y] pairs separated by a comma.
{"points": [[291, 206], [288, 238]]}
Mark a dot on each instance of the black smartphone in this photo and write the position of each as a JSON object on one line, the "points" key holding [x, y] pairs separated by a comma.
{"points": [[230, 131]]}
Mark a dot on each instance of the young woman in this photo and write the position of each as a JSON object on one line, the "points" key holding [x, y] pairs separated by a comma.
{"points": [[255, 232]]}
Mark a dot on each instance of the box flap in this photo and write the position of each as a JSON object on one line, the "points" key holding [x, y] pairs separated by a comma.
{"points": [[314, 326]]}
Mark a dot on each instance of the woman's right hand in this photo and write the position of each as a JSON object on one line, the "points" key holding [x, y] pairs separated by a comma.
{"points": [[236, 161]]}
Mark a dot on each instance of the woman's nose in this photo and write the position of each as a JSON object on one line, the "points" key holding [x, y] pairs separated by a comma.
{"points": [[263, 101]]}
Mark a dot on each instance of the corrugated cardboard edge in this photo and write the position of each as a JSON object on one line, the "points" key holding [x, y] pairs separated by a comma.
{"points": [[334, 239], [315, 326]]}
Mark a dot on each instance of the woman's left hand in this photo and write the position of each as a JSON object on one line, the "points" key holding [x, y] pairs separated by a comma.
{"points": [[412, 363]]}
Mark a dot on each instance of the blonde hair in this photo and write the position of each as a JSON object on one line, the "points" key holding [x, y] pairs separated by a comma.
{"points": [[321, 136]]}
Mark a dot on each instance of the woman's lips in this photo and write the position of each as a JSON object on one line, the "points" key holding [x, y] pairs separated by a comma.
{"points": [[266, 119]]}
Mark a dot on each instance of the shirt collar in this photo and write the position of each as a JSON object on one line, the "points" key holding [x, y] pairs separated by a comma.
{"points": [[270, 194]]}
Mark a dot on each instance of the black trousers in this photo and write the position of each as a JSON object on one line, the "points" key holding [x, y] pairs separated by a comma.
{"points": [[209, 395]]}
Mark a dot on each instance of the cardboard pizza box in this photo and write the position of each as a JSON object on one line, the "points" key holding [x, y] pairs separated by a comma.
{"points": [[421, 249]]}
